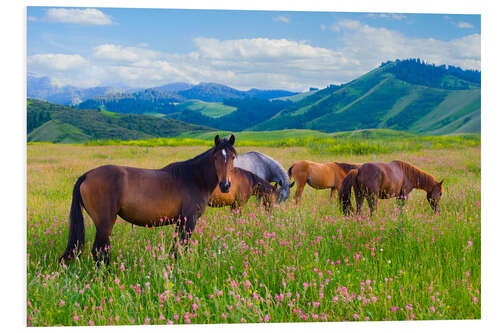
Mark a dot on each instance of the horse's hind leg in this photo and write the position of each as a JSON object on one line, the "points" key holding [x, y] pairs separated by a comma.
{"points": [[372, 202], [359, 198], [100, 249], [300, 189]]}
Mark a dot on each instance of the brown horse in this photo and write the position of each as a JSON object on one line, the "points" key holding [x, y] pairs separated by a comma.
{"points": [[178, 194], [244, 184], [387, 180], [319, 175]]}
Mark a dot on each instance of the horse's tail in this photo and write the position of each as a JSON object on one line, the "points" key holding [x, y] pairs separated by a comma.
{"points": [[290, 171], [76, 236], [345, 191]]}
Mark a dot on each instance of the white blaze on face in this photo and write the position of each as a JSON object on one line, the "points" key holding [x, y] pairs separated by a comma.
{"points": [[224, 154]]}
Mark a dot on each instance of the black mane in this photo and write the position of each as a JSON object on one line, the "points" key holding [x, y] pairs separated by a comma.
{"points": [[200, 168]]}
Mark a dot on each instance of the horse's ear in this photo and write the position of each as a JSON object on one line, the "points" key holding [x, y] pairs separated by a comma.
{"points": [[231, 139], [291, 185], [441, 182], [275, 186], [217, 140]]}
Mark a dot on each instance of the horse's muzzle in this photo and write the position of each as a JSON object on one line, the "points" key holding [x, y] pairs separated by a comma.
{"points": [[224, 186]]}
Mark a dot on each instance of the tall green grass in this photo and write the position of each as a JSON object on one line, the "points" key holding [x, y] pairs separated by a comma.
{"points": [[302, 263], [338, 144]]}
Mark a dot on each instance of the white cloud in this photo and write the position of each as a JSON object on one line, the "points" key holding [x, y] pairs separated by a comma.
{"points": [[121, 54], [465, 25], [282, 18], [349, 24], [370, 46], [257, 62], [89, 16], [57, 62]]}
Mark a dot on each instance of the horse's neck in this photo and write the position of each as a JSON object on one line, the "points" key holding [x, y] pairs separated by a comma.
{"points": [[203, 170], [422, 181]]}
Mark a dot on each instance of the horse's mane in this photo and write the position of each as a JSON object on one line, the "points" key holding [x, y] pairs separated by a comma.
{"points": [[418, 177], [347, 166], [181, 168]]}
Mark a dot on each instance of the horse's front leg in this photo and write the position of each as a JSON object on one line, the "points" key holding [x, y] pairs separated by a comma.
{"points": [[332, 193], [401, 199], [186, 227]]}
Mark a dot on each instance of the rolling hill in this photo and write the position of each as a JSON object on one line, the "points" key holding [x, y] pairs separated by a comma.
{"points": [[49, 122], [402, 95], [164, 98]]}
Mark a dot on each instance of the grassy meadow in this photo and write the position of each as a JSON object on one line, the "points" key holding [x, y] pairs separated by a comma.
{"points": [[295, 264]]}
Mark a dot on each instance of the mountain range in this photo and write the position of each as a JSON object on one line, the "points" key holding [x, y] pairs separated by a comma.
{"points": [[42, 88], [407, 95]]}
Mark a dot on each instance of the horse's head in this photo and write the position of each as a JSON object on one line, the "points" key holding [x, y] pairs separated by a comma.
{"points": [[269, 194], [283, 191], [223, 155], [434, 196]]}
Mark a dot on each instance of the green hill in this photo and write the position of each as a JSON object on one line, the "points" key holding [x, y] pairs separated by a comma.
{"points": [[208, 109], [244, 113], [57, 132], [49, 122], [422, 99], [261, 135]]}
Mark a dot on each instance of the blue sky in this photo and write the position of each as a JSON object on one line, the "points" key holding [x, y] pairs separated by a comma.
{"points": [[244, 49]]}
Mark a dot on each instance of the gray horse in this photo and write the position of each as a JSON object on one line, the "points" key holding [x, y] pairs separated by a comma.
{"points": [[267, 168]]}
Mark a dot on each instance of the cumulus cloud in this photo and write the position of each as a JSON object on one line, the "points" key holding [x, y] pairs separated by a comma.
{"points": [[256, 62], [372, 45], [88, 16], [121, 54], [56, 62]]}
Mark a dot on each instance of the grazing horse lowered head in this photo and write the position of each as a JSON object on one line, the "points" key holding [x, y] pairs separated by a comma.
{"points": [[266, 168], [244, 184], [387, 180], [176, 194]]}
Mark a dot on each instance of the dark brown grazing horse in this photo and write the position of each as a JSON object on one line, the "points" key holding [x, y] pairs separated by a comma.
{"points": [[178, 194], [244, 184], [319, 175], [386, 180]]}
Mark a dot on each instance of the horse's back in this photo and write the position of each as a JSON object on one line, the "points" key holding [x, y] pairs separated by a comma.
{"points": [[381, 177], [140, 196], [254, 162], [317, 175]]}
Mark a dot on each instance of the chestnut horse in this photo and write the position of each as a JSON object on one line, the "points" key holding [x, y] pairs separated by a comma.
{"points": [[319, 175], [244, 184], [178, 194], [387, 180]]}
